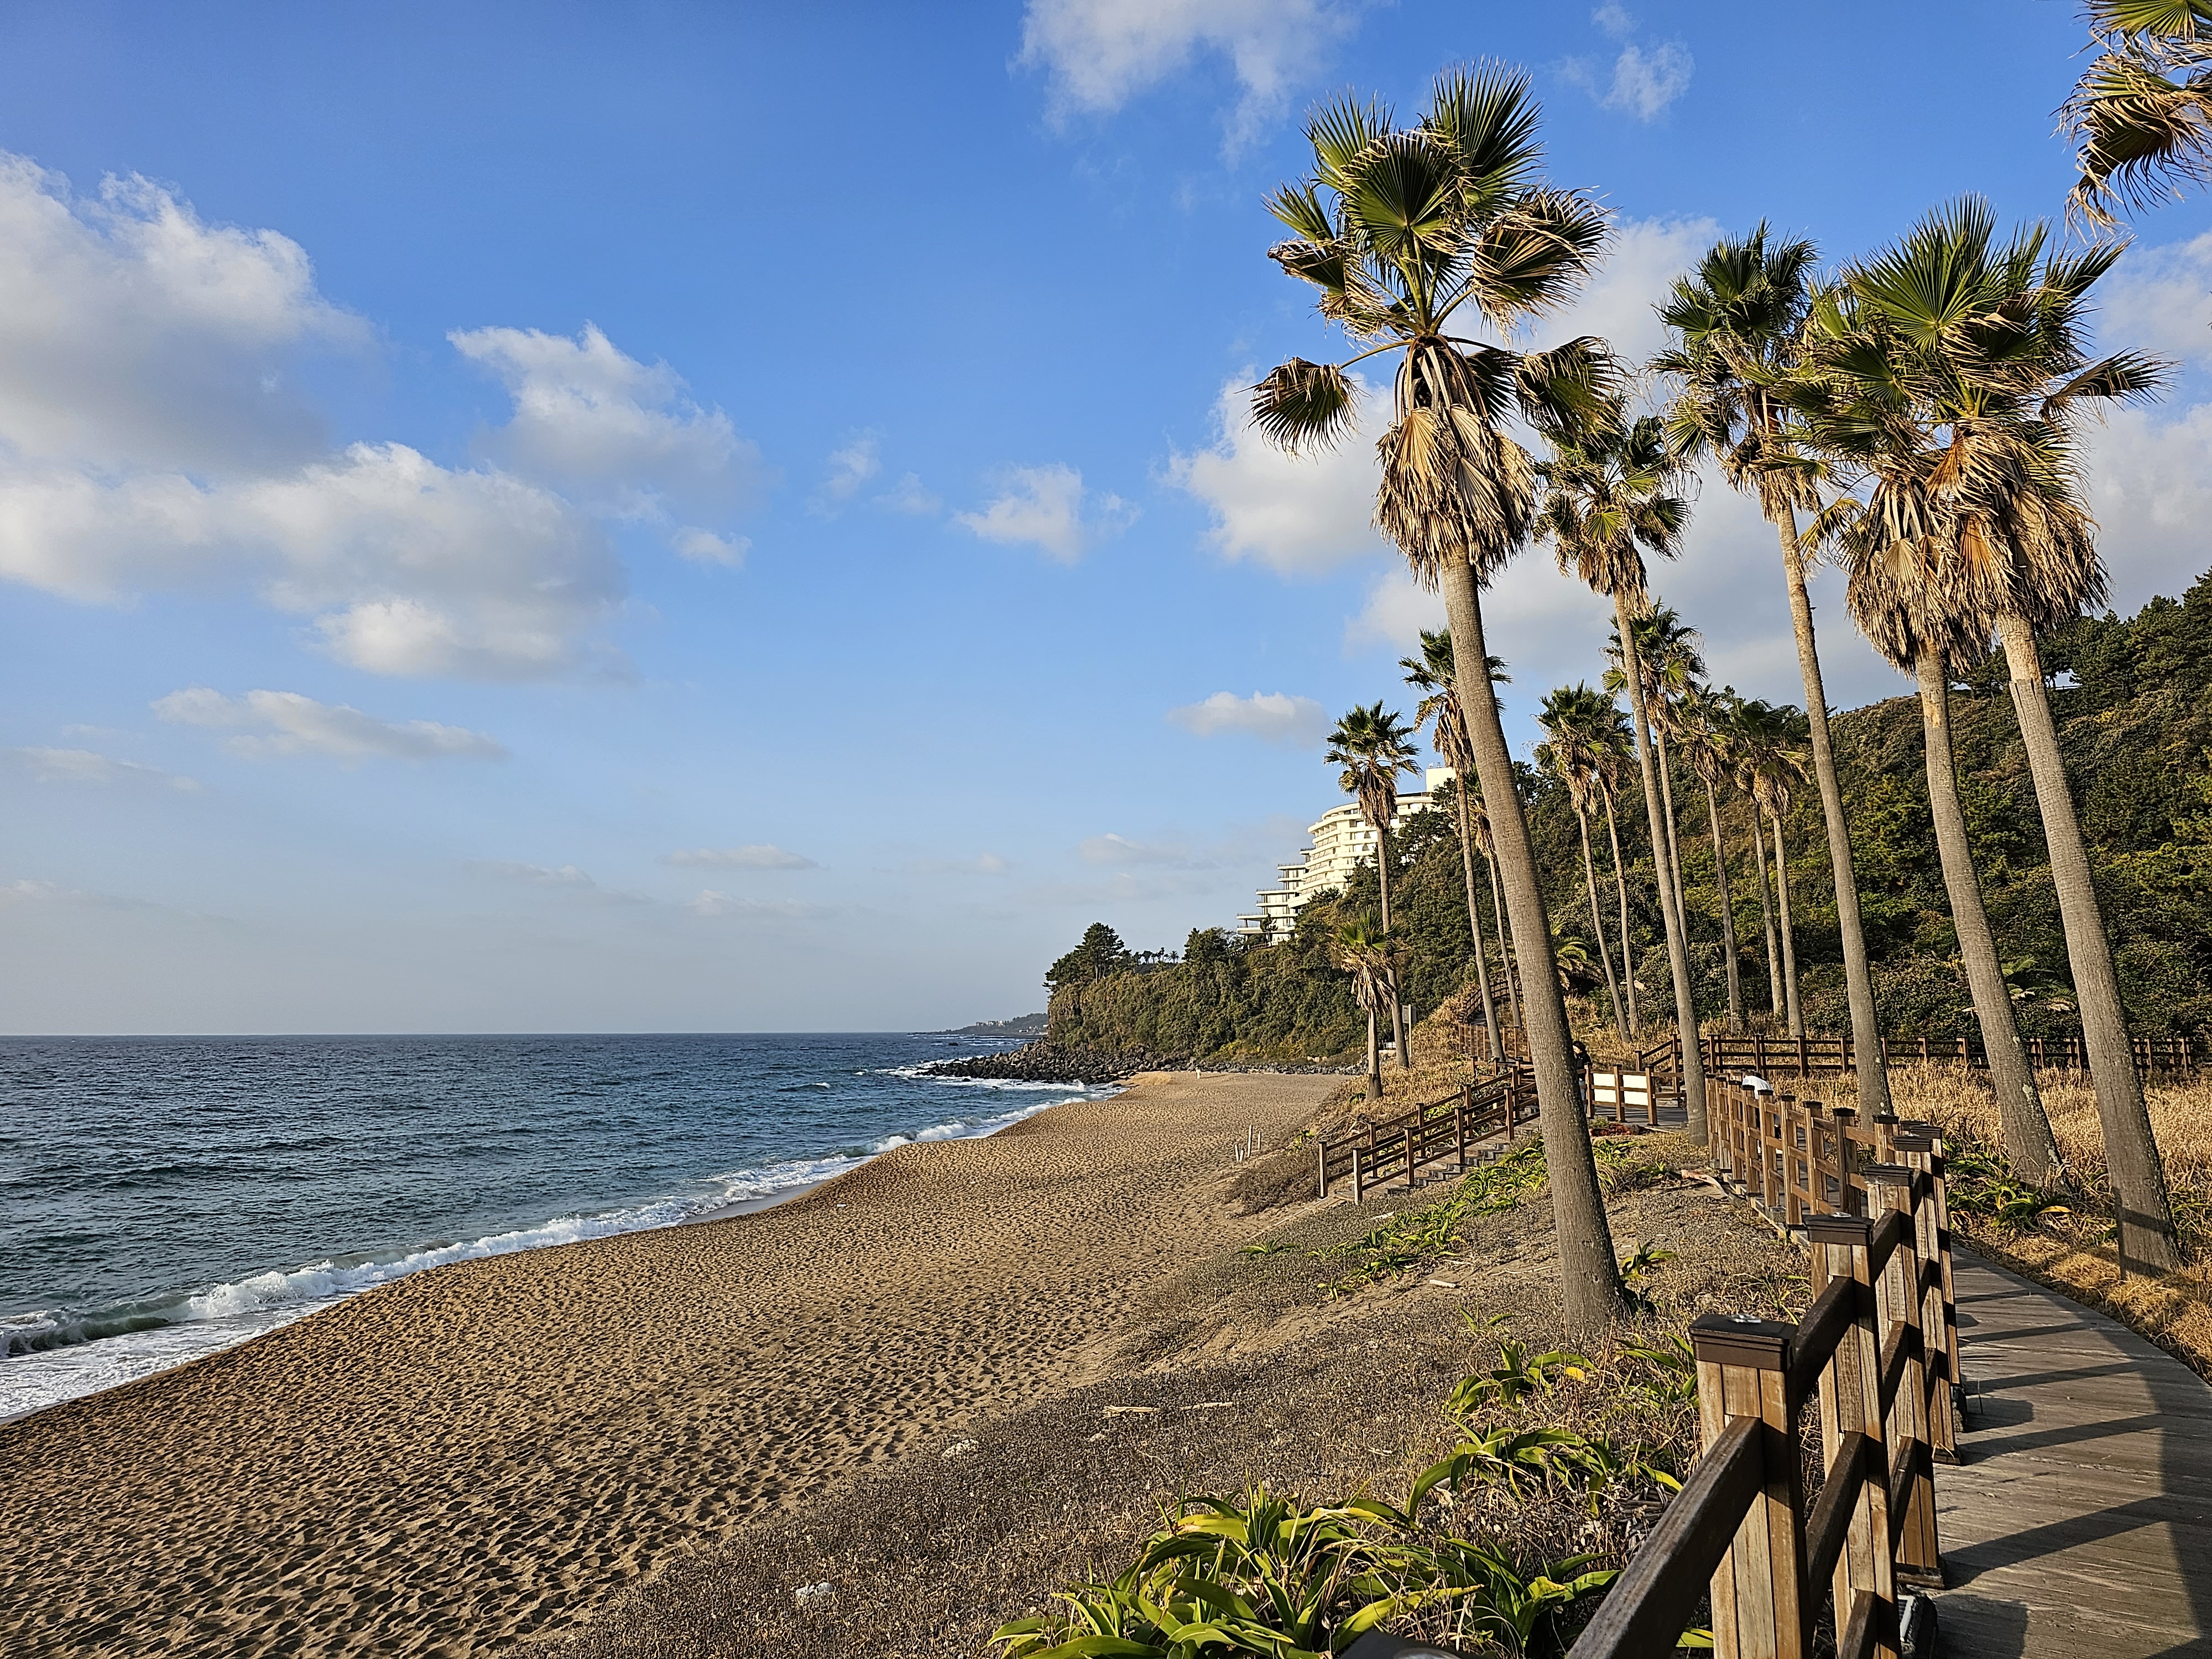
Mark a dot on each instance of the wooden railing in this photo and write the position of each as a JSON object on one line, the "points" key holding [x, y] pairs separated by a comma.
{"points": [[1397, 1149], [1809, 1055], [1876, 1348]]}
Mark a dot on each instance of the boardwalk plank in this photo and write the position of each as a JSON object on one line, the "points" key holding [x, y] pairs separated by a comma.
{"points": [[2079, 1526]]}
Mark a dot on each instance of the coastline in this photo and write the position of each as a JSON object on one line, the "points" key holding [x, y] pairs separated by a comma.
{"points": [[489, 1450]]}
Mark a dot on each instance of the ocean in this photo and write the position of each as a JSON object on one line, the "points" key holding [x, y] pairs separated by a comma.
{"points": [[162, 1198]]}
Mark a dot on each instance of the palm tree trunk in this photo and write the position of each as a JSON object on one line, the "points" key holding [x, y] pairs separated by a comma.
{"points": [[1788, 933], [1859, 978], [1671, 908], [1474, 924], [1766, 911], [1727, 913], [1590, 1277], [2029, 1145], [1621, 886], [1505, 963], [1374, 1059], [1397, 1008], [1667, 804], [2147, 1235], [1597, 921]]}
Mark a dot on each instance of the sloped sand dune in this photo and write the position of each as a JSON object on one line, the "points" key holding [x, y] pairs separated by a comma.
{"points": [[494, 1449]]}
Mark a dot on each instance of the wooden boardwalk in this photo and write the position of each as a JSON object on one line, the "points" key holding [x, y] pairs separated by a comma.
{"points": [[2080, 1525]]}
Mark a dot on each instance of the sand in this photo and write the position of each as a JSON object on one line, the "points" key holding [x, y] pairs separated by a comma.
{"points": [[494, 1450]]}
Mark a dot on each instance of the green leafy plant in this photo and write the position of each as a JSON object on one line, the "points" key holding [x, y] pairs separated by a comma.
{"points": [[1516, 1377], [1643, 1262], [1673, 1372]]}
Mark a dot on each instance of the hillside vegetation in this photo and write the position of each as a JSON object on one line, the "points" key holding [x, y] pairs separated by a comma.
{"points": [[2133, 700]]}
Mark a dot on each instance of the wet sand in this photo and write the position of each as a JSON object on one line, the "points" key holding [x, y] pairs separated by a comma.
{"points": [[493, 1450]]}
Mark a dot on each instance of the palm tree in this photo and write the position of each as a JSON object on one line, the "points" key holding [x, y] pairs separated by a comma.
{"points": [[1737, 324], [1373, 747], [1609, 499], [2144, 135], [1951, 368], [1667, 650], [1569, 752], [1432, 673], [1768, 763], [1705, 747], [1483, 844], [1898, 598], [1614, 749], [1365, 951], [1410, 234]]}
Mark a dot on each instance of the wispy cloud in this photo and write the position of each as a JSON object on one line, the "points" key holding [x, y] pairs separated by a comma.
{"points": [[1272, 716], [1048, 508], [274, 723], [852, 463], [1297, 515], [1645, 78], [534, 875], [89, 766], [1111, 848], [908, 495], [757, 856], [709, 902], [1098, 54]]}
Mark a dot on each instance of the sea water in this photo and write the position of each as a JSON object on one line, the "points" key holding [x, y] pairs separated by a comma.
{"points": [[162, 1198]]}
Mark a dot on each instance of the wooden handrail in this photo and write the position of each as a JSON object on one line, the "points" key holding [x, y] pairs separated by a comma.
{"points": [[1874, 1348]]}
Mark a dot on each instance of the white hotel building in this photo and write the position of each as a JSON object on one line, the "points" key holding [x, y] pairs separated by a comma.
{"points": [[1342, 841]]}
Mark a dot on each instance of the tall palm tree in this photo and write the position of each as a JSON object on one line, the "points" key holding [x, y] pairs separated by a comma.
{"points": [[1666, 650], [1479, 817], [1374, 745], [1610, 498], [1571, 751], [1411, 235], [2143, 111], [1951, 368], [1433, 673], [1901, 602], [1616, 750], [1705, 747], [1768, 764], [1365, 951], [1737, 324]]}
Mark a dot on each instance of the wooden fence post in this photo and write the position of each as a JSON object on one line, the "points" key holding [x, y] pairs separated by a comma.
{"points": [[1759, 1609], [1321, 1152], [1358, 1176], [1912, 1473], [1919, 1147], [1851, 1405]]}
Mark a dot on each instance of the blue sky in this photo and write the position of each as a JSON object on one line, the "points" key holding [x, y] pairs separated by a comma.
{"points": [[704, 518]]}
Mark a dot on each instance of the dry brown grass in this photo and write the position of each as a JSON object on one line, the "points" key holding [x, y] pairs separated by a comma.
{"points": [[2074, 1252]]}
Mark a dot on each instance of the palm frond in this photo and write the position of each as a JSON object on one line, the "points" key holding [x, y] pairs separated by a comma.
{"points": [[1302, 406]]}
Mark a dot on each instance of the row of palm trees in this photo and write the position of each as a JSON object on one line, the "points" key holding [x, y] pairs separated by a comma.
{"points": [[1913, 413]]}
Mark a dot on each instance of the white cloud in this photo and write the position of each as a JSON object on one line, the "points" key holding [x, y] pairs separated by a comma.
{"points": [[149, 439], [852, 463], [759, 856], [134, 334], [2150, 487], [86, 766], [1272, 715], [618, 436], [1098, 54], [2160, 300], [1298, 515], [907, 495], [288, 723], [1645, 80], [705, 547], [1048, 508], [1119, 849], [708, 902], [1619, 304], [534, 875]]}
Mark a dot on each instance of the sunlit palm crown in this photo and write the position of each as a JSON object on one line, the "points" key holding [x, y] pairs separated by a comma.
{"points": [[1416, 236], [1767, 742], [1946, 376], [1373, 745], [1735, 329], [1666, 652], [1362, 950], [2142, 110], [1433, 673], [1585, 742], [1608, 500], [1706, 736]]}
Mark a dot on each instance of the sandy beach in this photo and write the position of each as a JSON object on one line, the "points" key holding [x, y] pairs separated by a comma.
{"points": [[494, 1450]]}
